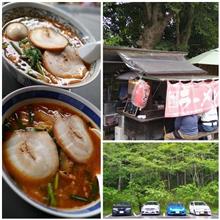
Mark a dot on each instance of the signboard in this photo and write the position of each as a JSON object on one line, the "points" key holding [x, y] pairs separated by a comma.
{"points": [[191, 98], [130, 108]]}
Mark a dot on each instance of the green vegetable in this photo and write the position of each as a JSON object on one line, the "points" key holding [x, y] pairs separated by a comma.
{"points": [[18, 50], [4, 45], [95, 188], [51, 195], [56, 181], [30, 115], [40, 69], [50, 132], [79, 198], [43, 127], [18, 121], [23, 42], [33, 56]]}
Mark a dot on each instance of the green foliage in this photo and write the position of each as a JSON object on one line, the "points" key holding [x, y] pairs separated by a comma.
{"points": [[186, 193], [165, 45], [124, 23], [124, 20], [205, 29], [164, 172], [113, 40]]}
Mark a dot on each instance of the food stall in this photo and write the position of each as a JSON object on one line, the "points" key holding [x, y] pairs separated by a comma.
{"points": [[160, 70]]}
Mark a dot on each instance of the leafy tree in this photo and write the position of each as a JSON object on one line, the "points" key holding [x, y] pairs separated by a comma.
{"points": [[165, 172], [191, 26]]}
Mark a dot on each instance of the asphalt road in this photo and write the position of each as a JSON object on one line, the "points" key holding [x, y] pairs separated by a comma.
{"points": [[163, 216]]}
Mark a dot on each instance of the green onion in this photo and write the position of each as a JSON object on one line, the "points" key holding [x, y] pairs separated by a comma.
{"points": [[16, 48], [50, 132], [19, 122], [56, 181], [33, 56], [40, 69], [23, 41], [4, 45], [95, 187], [51, 195], [30, 115], [79, 198]]}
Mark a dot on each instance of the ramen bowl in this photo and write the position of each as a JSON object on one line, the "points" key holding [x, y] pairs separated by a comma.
{"points": [[88, 111], [41, 11]]}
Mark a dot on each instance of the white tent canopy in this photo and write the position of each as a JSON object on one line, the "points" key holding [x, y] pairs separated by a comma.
{"points": [[210, 57]]}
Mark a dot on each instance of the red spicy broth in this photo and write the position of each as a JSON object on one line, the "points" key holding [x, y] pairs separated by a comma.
{"points": [[79, 190]]}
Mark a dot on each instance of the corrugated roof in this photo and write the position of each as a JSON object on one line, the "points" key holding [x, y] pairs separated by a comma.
{"points": [[159, 63]]}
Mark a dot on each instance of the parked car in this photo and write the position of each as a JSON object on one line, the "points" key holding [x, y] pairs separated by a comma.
{"points": [[122, 208], [176, 209], [151, 208], [199, 208]]}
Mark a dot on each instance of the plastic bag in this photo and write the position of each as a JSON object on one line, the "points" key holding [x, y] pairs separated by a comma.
{"points": [[140, 94]]}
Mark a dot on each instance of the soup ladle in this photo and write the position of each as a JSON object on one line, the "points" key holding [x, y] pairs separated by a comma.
{"points": [[90, 52]]}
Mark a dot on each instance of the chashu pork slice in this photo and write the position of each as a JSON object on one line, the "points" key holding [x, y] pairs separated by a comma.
{"points": [[73, 137], [47, 39], [31, 156], [66, 64]]}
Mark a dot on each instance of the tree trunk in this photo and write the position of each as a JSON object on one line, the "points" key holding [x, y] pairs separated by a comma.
{"points": [[177, 179], [168, 181], [202, 178], [195, 176], [152, 35], [155, 23], [184, 177], [177, 29], [185, 33], [119, 183]]}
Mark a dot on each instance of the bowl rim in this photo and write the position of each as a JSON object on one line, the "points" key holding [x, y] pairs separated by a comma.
{"points": [[20, 193], [66, 16]]}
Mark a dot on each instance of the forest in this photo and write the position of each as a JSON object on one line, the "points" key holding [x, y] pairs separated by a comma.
{"points": [[165, 172], [183, 26]]}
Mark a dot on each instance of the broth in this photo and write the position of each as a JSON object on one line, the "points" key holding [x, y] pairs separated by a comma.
{"points": [[74, 184], [14, 51]]}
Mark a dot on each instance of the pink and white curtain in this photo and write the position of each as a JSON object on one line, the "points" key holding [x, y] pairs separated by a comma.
{"points": [[191, 98]]}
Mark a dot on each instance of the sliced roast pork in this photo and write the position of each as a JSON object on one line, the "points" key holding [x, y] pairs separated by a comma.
{"points": [[73, 137], [66, 64], [31, 155], [47, 39]]}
